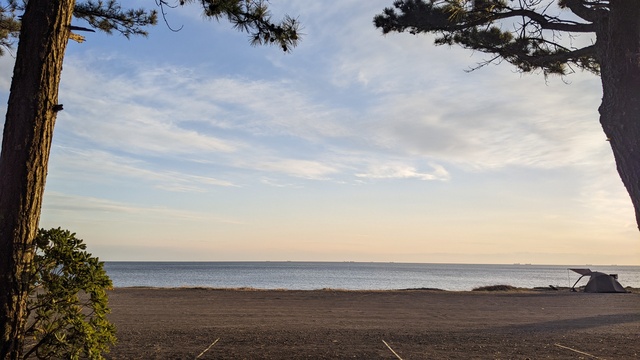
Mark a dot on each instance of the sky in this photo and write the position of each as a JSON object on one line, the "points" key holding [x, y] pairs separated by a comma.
{"points": [[194, 145]]}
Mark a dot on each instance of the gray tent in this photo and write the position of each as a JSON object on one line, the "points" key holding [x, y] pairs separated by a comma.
{"points": [[599, 282]]}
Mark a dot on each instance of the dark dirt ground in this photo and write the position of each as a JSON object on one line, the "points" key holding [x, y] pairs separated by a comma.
{"points": [[333, 324]]}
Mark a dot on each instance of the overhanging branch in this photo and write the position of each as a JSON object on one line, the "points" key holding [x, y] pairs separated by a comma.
{"points": [[584, 57], [580, 8], [546, 23], [417, 17]]}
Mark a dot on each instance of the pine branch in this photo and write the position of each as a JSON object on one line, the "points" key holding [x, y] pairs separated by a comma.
{"points": [[586, 10], [476, 24], [417, 16], [585, 58], [109, 17], [254, 18], [250, 16], [9, 28], [546, 22]]}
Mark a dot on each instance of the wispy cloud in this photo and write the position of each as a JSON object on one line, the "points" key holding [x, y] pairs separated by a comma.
{"points": [[168, 113], [403, 171], [421, 102], [56, 202], [97, 166], [136, 112], [299, 168]]}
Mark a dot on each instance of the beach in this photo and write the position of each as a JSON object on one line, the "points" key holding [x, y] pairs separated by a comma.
{"points": [[190, 323]]}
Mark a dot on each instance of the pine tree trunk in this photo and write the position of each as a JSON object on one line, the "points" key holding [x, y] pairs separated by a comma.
{"points": [[26, 144], [619, 36]]}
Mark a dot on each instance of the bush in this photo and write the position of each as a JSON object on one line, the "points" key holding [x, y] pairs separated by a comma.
{"points": [[495, 288], [68, 302]]}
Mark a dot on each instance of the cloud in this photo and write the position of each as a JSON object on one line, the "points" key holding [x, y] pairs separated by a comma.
{"points": [[394, 93], [272, 108], [393, 99], [135, 112], [403, 171], [420, 102], [171, 109], [89, 207], [410, 105], [6, 63], [525, 124], [307, 169], [95, 166]]}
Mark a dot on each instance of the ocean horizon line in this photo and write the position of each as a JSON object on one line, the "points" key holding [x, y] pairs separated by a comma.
{"points": [[363, 262], [351, 275]]}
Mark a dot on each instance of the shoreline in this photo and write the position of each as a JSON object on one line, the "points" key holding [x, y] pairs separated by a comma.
{"points": [[180, 323], [347, 275], [511, 290]]}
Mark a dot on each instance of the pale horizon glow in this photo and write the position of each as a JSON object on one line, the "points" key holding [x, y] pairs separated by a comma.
{"points": [[195, 146]]}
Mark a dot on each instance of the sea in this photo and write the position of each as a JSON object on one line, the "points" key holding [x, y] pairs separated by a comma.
{"points": [[352, 275]]}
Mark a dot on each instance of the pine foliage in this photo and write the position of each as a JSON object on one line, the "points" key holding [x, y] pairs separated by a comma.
{"points": [[254, 18], [9, 26], [250, 16], [108, 16], [525, 33]]}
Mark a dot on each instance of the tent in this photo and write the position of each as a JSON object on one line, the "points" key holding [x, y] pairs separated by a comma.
{"points": [[599, 282]]}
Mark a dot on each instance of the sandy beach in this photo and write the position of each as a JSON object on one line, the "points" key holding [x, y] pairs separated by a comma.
{"points": [[408, 324]]}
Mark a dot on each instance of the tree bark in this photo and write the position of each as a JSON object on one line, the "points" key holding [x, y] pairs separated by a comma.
{"points": [[619, 54], [26, 143]]}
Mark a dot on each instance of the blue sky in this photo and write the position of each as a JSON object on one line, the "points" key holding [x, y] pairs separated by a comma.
{"points": [[193, 145]]}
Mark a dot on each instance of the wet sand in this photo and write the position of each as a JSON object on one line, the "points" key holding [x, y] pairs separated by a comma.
{"points": [[415, 324]]}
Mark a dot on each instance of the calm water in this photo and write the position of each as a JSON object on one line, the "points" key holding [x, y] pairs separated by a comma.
{"points": [[348, 275]]}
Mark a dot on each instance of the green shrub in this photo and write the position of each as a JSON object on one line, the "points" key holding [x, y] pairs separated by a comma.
{"points": [[68, 305], [495, 288]]}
